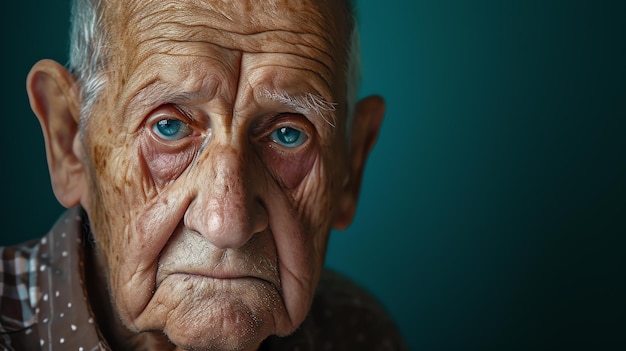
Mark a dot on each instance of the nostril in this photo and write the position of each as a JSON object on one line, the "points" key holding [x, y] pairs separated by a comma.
{"points": [[226, 220]]}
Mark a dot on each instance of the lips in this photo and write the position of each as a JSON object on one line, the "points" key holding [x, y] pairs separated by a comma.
{"points": [[218, 274], [191, 254]]}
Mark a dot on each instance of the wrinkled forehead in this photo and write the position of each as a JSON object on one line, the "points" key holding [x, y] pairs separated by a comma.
{"points": [[245, 16], [249, 16], [308, 28]]}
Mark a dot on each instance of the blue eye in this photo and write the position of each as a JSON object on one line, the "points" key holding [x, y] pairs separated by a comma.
{"points": [[288, 137], [171, 129]]}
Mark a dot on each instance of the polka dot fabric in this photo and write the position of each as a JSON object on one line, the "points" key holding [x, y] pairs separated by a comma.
{"points": [[63, 320]]}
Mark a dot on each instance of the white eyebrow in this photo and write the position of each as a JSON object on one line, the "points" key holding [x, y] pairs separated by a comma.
{"points": [[305, 103]]}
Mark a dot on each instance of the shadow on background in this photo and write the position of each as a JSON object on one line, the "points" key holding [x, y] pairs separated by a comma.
{"points": [[493, 212]]}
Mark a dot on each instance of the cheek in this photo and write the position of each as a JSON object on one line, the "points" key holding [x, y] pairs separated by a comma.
{"points": [[130, 220], [289, 170], [301, 233], [314, 202], [164, 165], [317, 192], [110, 202], [107, 188]]}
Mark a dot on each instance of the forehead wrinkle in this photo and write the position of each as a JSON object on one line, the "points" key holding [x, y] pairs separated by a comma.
{"points": [[298, 30], [247, 17], [278, 67], [302, 35], [302, 46], [159, 90]]}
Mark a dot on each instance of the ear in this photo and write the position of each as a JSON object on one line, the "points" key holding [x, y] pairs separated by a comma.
{"points": [[54, 99], [368, 117]]}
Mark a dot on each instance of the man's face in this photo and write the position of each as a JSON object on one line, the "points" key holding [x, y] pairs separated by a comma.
{"points": [[215, 159]]}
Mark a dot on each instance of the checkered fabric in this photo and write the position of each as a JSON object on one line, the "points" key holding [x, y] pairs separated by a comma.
{"points": [[19, 291]]}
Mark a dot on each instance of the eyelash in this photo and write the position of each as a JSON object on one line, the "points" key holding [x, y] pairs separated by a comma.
{"points": [[170, 112], [262, 130], [290, 120]]}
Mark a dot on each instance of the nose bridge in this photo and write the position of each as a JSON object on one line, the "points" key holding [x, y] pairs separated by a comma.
{"points": [[225, 169], [225, 209]]}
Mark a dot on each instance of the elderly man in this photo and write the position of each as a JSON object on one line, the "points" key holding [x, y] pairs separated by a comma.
{"points": [[204, 149]]}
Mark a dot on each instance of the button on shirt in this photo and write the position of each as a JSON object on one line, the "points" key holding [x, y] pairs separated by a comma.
{"points": [[44, 305]]}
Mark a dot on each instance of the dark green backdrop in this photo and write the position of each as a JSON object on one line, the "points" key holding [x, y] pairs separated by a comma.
{"points": [[493, 212]]}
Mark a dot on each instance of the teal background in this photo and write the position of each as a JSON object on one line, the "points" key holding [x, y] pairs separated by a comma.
{"points": [[493, 209]]}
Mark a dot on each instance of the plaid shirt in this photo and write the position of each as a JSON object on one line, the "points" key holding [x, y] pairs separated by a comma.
{"points": [[44, 306]]}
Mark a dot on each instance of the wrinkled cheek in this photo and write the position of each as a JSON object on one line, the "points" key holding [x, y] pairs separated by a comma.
{"points": [[301, 233], [314, 199], [164, 166], [120, 195], [300, 270], [288, 170], [114, 238], [103, 191], [147, 234]]}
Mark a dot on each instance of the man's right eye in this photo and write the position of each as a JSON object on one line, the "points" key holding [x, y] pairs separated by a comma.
{"points": [[171, 129]]}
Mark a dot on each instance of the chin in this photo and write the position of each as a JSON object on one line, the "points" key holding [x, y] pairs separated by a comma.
{"points": [[197, 339], [199, 313]]}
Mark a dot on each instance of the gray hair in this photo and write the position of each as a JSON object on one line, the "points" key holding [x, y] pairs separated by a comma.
{"points": [[89, 55]]}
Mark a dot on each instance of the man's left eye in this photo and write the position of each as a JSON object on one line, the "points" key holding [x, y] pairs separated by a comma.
{"points": [[171, 129], [288, 137]]}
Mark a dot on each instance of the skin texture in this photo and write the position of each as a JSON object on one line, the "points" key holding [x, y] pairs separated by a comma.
{"points": [[215, 240]]}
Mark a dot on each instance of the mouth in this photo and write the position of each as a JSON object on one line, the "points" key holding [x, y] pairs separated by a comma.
{"points": [[186, 275], [191, 257], [217, 273]]}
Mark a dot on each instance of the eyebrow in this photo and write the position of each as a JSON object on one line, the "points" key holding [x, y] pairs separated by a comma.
{"points": [[305, 103]]}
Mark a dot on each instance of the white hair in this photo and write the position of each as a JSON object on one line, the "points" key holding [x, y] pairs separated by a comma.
{"points": [[90, 54], [304, 103]]}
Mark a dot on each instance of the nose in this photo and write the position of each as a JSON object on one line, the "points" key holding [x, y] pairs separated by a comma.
{"points": [[227, 208]]}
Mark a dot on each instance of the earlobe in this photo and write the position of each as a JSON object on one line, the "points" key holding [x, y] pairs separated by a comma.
{"points": [[368, 118], [54, 99]]}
